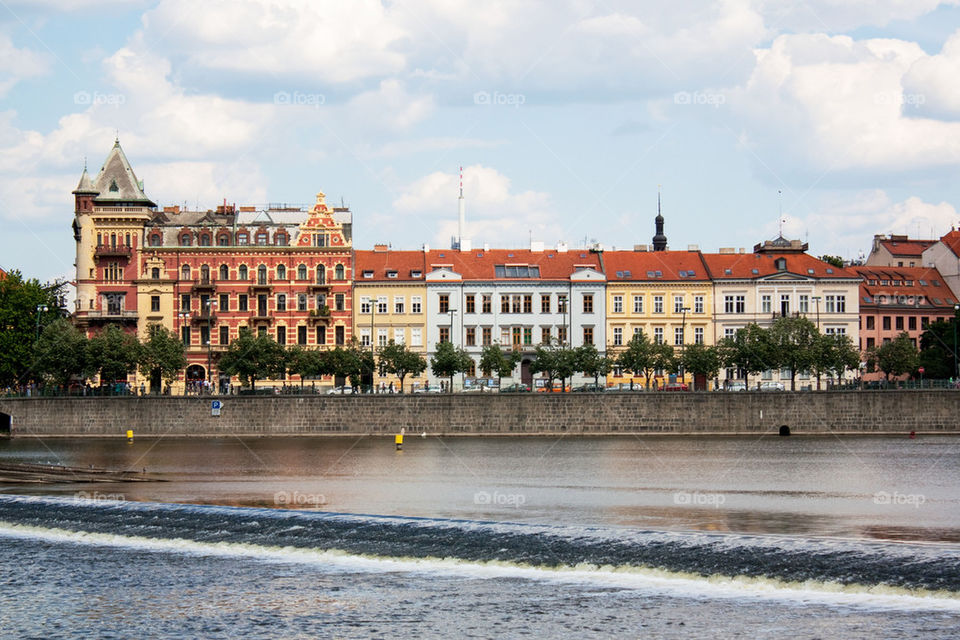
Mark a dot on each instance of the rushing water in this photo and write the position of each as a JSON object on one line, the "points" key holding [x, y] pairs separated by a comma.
{"points": [[482, 537]]}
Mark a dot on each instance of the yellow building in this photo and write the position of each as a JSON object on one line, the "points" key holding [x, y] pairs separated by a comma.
{"points": [[390, 297], [666, 294]]}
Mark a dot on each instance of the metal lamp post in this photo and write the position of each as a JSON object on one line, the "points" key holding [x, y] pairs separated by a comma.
{"points": [[683, 342], [451, 311], [956, 363], [373, 381], [41, 308], [816, 300], [210, 306]]}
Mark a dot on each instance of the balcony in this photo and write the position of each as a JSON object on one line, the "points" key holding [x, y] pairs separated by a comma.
{"points": [[319, 315], [261, 316], [203, 318], [261, 285], [319, 286], [98, 316], [204, 284], [112, 251]]}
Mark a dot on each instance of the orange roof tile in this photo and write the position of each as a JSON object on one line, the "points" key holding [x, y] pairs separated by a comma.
{"points": [[480, 265], [757, 265], [952, 241], [906, 248], [380, 263], [926, 282], [633, 266]]}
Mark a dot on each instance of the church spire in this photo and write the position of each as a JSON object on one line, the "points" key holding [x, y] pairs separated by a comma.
{"points": [[659, 240]]}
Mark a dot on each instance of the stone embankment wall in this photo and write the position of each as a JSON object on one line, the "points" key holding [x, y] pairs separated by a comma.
{"points": [[934, 411]]}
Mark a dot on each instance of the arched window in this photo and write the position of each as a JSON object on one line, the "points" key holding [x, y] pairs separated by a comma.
{"points": [[204, 239], [113, 240], [338, 272], [205, 273], [224, 272], [155, 240], [185, 239], [281, 272], [281, 302], [262, 238], [242, 272], [302, 302], [223, 240], [321, 274], [243, 239], [99, 239], [128, 240], [262, 274], [281, 239], [155, 273], [185, 272], [302, 272]]}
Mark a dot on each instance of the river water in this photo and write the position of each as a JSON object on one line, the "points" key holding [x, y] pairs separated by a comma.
{"points": [[753, 537]]}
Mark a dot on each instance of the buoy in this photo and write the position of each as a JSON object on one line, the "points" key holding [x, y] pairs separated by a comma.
{"points": [[398, 440], [130, 435], [913, 434]]}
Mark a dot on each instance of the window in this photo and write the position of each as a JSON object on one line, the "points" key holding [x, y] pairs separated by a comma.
{"points": [[415, 304], [444, 334], [804, 303], [185, 242], [382, 307], [487, 303], [281, 335], [871, 343], [155, 273], [617, 336], [382, 337], [912, 323], [224, 272], [243, 239], [471, 336], [154, 303], [871, 322], [924, 322], [302, 272], [262, 274], [562, 303], [339, 335], [886, 323], [224, 302], [338, 302], [830, 304], [658, 304], [224, 335], [185, 335], [728, 304], [638, 304], [282, 239], [302, 334], [398, 304], [399, 335], [184, 302], [281, 302], [784, 305], [223, 240], [898, 321], [588, 305], [365, 305], [516, 337], [617, 304], [262, 238], [841, 304], [486, 336], [242, 273], [321, 274], [338, 272], [698, 335], [155, 240], [185, 272], [321, 335], [365, 337], [658, 335], [204, 239], [527, 336], [281, 272], [528, 303], [516, 303], [470, 303], [741, 304], [678, 335], [504, 304], [698, 304], [516, 271], [242, 302], [729, 334], [544, 303], [301, 302], [544, 335], [444, 304], [678, 304], [562, 335], [320, 240], [416, 337], [766, 304]]}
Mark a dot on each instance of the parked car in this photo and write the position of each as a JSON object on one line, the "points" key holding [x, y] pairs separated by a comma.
{"points": [[344, 390], [625, 386], [735, 385], [589, 388], [768, 385], [676, 386], [515, 388], [428, 389]]}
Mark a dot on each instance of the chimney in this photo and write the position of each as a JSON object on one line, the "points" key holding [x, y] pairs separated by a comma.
{"points": [[379, 248], [561, 247]]}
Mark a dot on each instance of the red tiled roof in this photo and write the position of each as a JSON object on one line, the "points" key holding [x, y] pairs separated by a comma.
{"points": [[632, 266], [757, 265], [380, 262], [952, 241], [927, 283], [479, 264], [906, 248]]}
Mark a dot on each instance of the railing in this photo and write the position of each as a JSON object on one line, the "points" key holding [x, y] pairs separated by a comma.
{"points": [[109, 313], [111, 250], [204, 283]]}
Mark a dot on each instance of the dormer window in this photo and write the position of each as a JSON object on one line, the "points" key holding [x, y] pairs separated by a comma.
{"points": [[113, 186], [416, 273], [185, 240], [391, 274], [780, 264], [367, 273], [156, 240]]}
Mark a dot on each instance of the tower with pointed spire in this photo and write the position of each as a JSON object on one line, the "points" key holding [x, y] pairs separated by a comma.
{"points": [[659, 240]]}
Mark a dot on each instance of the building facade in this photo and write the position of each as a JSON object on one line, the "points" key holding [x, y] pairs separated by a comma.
{"points": [[282, 272]]}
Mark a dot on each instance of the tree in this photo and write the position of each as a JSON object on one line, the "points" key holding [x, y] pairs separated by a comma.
{"points": [[494, 359], [342, 363], [839, 355], [306, 363], [401, 361], [937, 349], [701, 360], [567, 364], [545, 362], [591, 363], [252, 358], [61, 353], [114, 353], [897, 357], [363, 364], [836, 261], [448, 361], [638, 356], [22, 312], [793, 345], [162, 357], [750, 351]]}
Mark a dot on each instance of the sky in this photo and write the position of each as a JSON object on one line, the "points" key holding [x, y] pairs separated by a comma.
{"points": [[831, 120]]}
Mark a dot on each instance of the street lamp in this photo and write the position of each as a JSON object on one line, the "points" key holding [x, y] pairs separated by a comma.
{"points": [[683, 341], [816, 300], [373, 307], [41, 308], [210, 306], [452, 311], [956, 364]]}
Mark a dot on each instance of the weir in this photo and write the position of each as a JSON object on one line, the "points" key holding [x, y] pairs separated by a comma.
{"points": [[802, 413]]}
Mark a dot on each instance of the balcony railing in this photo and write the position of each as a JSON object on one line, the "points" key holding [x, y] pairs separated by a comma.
{"points": [[201, 284], [258, 316], [113, 251], [203, 318]]}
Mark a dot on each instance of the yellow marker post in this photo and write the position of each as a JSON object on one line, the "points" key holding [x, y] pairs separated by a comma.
{"points": [[398, 440], [130, 435]]}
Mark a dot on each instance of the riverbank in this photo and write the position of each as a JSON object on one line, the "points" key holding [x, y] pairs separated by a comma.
{"points": [[828, 412]]}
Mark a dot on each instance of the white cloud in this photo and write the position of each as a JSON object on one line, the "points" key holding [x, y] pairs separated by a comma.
{"points": [[204, 183], [932, 82], [388, 107], [842, 15], [18, 63]]}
